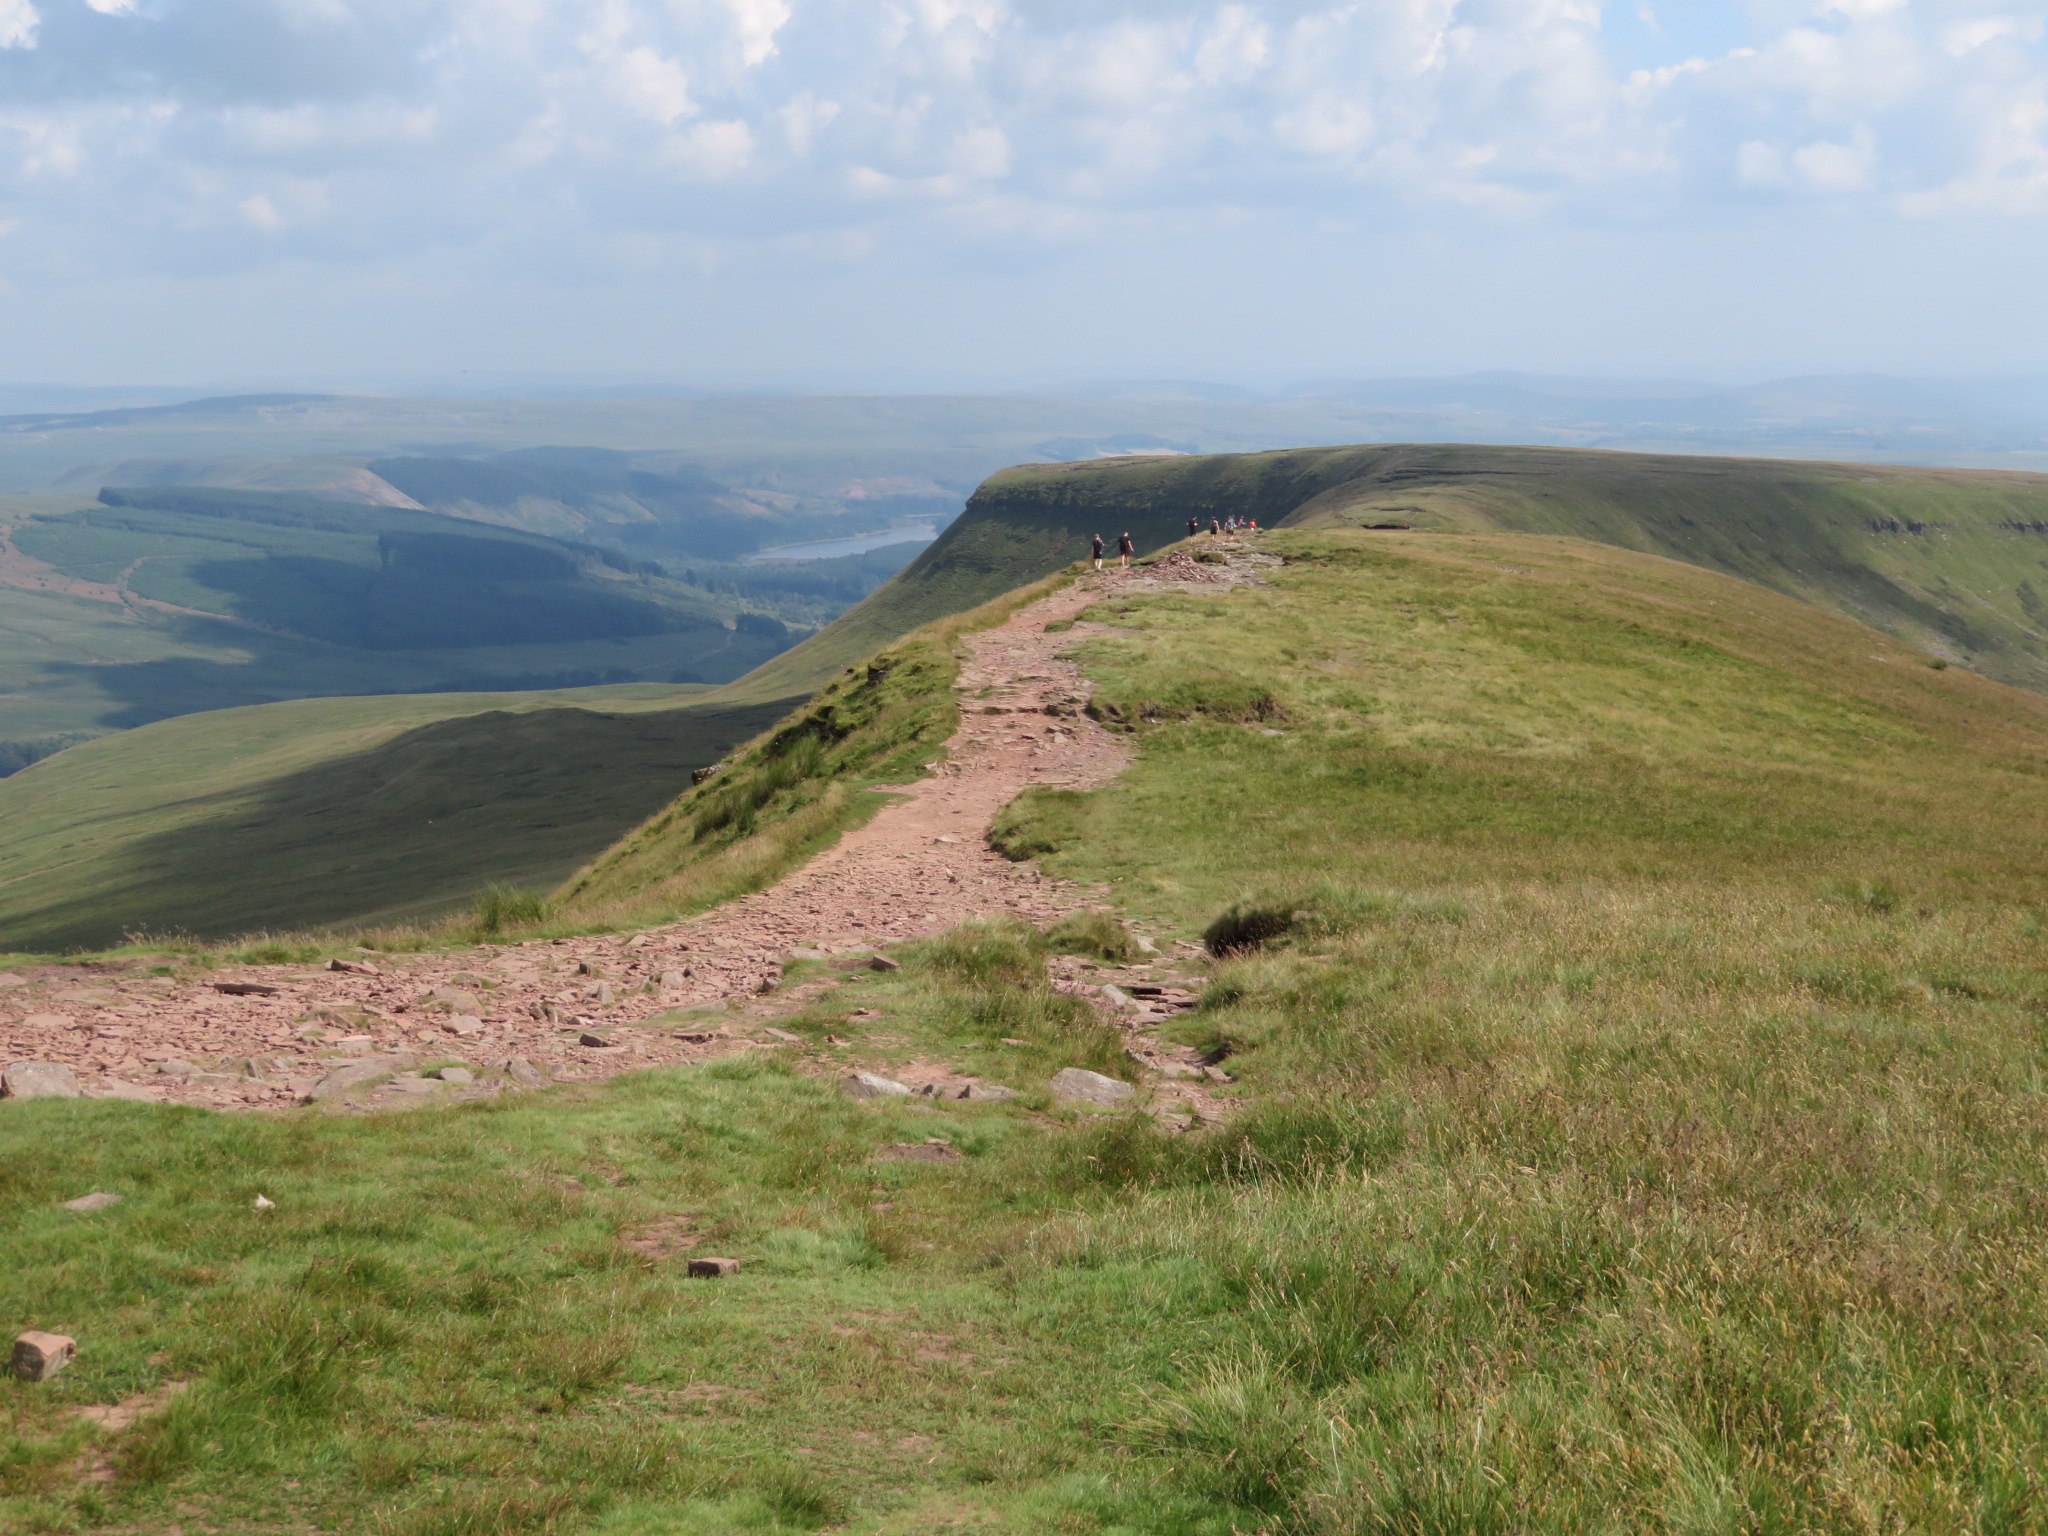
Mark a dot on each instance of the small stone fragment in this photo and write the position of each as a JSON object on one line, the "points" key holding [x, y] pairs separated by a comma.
{"points": [[520, 1070], [784, 1036], [866, 1085], [1119, 999], [456, 1075], [176, 1066], [39, 1356], [1079, 1085], [464, 1026], [38, 1080], [243, 988], [450, 1000], [592, 1039], [713, 1269], [588, 968], [262, 1203], [98, 1200], [918, 1152], [884, 963], [987, 1093], [672, 978], [1012, 1040], [1145, 945], [354, 967]]}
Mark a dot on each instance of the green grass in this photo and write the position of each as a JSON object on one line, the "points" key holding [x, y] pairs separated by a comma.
{"points": [[1640, 1116]]}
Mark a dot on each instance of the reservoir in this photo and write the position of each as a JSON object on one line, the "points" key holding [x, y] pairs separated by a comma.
{"points": [[825, 549]]}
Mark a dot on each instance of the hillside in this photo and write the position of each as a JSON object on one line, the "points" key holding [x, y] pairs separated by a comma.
{"points": [[156, 602], [349, 810], [1623, 987], [1955, 561]]}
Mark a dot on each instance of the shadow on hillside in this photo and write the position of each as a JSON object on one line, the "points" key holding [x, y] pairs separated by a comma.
{"points": [[411, 827]]}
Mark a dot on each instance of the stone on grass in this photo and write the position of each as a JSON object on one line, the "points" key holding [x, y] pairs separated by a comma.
{"points": [[39, 1356], [866, 1085], [1145, 945], [1077, 1085], [456, 1075], [1119, 999], [884, 963], [783, 1035], [987, 1093], [98, 1200], [713, 1269], [522, 1071], [262, 1203], [38, 1080], [918, 1152]]}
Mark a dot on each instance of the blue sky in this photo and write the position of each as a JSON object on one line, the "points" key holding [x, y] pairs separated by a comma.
{"points": [[980, 191]]}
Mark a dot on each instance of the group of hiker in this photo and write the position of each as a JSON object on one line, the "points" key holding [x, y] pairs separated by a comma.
{"points": [[1228, 527]]}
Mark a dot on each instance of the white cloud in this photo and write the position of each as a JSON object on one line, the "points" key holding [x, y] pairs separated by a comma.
{"points": [[537, 125], [18, 21], [261, 212]]}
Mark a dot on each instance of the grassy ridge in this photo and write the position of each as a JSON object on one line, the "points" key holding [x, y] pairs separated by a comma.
{"points": [[1639, 1129], [793, 791], [1953, 560]]}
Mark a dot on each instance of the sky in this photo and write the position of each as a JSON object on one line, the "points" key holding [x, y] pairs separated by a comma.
{"points": [[978, 193]]}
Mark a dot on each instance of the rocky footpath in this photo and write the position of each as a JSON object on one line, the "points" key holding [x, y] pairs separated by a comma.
{"points": [[377, 1030]]}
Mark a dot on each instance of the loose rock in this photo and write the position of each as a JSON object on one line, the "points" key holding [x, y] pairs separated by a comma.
{"points": [[356, 1074], [866, 1085], [1078, 1085], [456, 1075], [39, 1356], [713, 1269], [38, 1080], [98, 1200], [354, 967]]}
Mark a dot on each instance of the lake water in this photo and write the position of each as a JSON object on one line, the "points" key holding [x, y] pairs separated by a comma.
{"points": [[825, 549]]}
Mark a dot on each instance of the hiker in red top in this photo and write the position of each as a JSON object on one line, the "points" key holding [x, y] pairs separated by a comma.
{"points": [[1096, 550], [1124, 550]]}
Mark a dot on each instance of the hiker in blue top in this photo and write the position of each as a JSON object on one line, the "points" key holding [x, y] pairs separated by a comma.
{"points": [[1096, 550], [1194, 526]]}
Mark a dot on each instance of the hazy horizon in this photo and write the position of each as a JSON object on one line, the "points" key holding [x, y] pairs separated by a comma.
{"points": [[960, 195]]}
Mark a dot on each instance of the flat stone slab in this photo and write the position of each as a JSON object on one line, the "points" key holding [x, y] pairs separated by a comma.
{"points": [[1077, 1085], [866, 1085], [38, 1080]]}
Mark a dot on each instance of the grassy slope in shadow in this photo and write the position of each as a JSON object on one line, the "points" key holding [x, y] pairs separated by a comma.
{"points": [[337, 811]]}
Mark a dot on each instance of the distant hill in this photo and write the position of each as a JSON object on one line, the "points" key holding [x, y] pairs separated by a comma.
{"points": [[1950, 559], [151, 602]]}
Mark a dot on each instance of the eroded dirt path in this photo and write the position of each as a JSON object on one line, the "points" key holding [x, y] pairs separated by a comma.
{"points": [[564, 1010]]}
